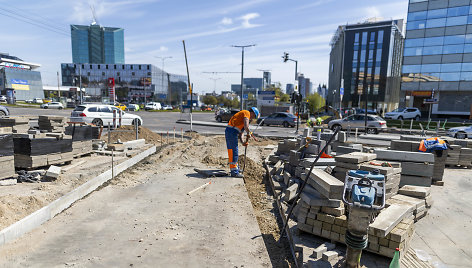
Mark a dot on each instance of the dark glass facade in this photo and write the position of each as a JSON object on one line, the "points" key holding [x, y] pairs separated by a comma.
{"points": [[97, 44], [365, 60], [438, 57], [133, 82]]}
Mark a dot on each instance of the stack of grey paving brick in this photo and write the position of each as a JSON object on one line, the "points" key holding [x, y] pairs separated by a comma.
{"points": [[417, 168], [19, 124], [418, 196], [348, 148], [453, 155], [33, 152], [7, 165], [50, 123], [465, 157], [322, 213], [82, 138], [350, 161]]}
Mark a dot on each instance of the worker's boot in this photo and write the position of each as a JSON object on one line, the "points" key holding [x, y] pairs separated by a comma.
{"points": [[237, 175]]}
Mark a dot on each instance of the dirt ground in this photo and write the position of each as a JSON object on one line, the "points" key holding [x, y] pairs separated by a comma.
{"points": [[127, 133], [20, 200]]}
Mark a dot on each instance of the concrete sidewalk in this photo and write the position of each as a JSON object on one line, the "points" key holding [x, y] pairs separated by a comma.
{"points": [[154, 224]]}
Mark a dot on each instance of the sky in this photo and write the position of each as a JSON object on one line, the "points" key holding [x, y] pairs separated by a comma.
{"points": [[39, 32]]}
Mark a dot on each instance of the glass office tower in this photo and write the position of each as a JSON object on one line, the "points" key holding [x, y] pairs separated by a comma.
{"points": [[97, 44], [365, 61], [438, 57]]}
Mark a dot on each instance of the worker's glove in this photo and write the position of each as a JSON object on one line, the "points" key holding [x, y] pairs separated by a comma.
{"points": [[245, 144]]}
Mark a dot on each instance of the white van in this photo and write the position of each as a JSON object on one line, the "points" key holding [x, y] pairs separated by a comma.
{"points": [[153, 106]]}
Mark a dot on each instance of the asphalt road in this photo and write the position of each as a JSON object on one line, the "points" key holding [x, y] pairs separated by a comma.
{"points": [[167, 121]]}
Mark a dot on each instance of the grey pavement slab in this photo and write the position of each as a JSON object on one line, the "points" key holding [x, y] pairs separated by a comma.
{"points": [[154, 224], [445, 233]]}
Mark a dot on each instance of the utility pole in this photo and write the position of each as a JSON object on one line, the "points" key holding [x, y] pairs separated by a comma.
{"points": [[242, 70], [58, 89], [299, 97], [162, 83], [80, 84]]}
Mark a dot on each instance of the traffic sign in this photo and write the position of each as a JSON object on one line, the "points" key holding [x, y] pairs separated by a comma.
{"points": [[245, 96], [430, 101], [341, 91]]}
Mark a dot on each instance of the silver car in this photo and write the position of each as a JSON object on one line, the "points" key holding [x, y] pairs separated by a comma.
{"points": [[460, 132], [375, 123]]}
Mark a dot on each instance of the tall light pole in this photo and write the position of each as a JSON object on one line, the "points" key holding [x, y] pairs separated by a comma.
{"points": [[242, 69], [214, 80], [162, 82]]}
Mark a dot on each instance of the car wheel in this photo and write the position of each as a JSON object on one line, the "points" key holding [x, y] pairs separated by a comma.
{"points": [[372, 131], [460, 135], [98, 122], [60, 108], [218, 118], [334, 127], [417, 118], [2, 114], [400, 117], [285, 124]]}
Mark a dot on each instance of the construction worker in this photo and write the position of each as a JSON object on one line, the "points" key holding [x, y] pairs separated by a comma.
{"points": [[319, 123], [234, 131]]}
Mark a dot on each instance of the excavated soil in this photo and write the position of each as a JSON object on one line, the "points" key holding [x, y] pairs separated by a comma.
{"points": [[144, 133]]}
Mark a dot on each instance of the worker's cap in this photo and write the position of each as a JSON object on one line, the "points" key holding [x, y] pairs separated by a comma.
{"points": [[256, 111]]}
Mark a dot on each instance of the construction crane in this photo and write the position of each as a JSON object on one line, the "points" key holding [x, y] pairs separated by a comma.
{"points": [[215, 73], [93, 15]]}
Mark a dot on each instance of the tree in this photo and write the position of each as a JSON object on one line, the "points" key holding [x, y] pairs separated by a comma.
{"points": [[315, 102], [235, 103], [284, 98], [209, 100]]}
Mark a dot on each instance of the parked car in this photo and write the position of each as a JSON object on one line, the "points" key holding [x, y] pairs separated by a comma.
{"points": [[101, 115], [404, 113], [167, 107], [362, 111], [225, 115], [4, 111], [133, 107], [375, 123], [120, 106], [52, 105], [153, 106], [280, 118], [460, 132], [37, 100], [3, 98]]}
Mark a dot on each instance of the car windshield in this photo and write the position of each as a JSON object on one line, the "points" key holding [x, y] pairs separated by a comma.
{"points": [[79, 108], [398, 110], [376, 118]]}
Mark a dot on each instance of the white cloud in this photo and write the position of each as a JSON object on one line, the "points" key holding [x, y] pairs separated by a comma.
{"points": [[312, 5], [226, 21], [163, 48], [246, 20], [372, 12]]}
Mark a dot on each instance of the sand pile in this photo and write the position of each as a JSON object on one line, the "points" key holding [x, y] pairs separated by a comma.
{"points": [[144, 133]]}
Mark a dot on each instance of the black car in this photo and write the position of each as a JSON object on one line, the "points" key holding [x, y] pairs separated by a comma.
{"points": [[280, 118], [225, 115], [4, 111]]}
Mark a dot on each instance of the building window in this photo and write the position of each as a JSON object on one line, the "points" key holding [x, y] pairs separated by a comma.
{"points": [[83, 66], [457, 11], [106, 66], [131, 66], [415, 25], [88, 73], [98, 66], [454, 21], [118, 73], [91, 67], [381, 37], [364, 38], [139, 67], [122, 67], [149, 73], [435, 23], [148, 67], [103, 73], [434, 41], [114, 66], [132, 73], [421, 15], [437, 13]]}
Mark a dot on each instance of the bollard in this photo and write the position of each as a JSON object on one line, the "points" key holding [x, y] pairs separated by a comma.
{"points": [[167, 137], [411, 125], [109, 133], [174, 134], [114, 118], [356, 133], [120, 114], [181, 134], [136, 128], [401, 124], [112, 167]]}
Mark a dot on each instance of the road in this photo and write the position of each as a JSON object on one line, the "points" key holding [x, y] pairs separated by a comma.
{"points": [[166, 121]]}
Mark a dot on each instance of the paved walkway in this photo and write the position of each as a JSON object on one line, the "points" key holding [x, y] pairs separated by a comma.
{"points": [[446, 232], [154, 224]]}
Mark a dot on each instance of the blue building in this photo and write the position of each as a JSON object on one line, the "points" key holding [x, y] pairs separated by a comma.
{"points": [[97, 44], [289, 89], [19, 79], [437, 62]]}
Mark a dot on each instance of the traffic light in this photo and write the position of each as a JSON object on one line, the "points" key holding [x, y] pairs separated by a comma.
{"points": [[285, 56], [292, 98]]}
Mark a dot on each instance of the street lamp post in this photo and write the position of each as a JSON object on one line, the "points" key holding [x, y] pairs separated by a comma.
{"points": [[162, 82], [242, 70]]}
